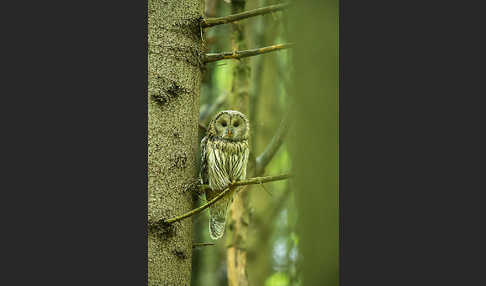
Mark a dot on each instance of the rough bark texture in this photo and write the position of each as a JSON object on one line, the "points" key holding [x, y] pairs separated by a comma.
{"points": [[174, 74], [239, 216]]}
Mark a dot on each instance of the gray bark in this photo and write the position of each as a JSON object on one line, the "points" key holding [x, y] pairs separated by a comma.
{"points": [[174, 75]]}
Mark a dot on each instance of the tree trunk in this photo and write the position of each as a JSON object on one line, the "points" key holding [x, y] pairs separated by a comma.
{"points": [[315, 142], [239, 218], [174, 74]]}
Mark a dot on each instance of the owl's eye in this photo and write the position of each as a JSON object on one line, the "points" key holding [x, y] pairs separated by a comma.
{"points": [[223, 123], [236, 124]]}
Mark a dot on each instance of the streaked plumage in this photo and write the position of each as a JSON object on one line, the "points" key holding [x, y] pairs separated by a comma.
{"points": [[224, 155]]}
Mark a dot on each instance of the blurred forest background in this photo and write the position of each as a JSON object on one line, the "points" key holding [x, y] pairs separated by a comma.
{"points": [[257, 86]]}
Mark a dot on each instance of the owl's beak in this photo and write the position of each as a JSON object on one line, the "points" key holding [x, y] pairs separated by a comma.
{"points": [[229, 132]]}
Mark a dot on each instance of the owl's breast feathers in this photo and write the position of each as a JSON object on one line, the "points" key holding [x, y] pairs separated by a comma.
{"points": [[226, 161]]}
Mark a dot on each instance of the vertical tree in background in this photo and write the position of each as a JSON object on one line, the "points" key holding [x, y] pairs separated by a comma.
{"points": [[238, 216], [174, 76], [315, 148]]}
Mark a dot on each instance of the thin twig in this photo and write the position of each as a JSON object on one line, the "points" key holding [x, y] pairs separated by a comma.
{"points": [[209, 22], [256, 180], [199, 244], [263, 159], [265, 189], [201, 208], [246, 53]]}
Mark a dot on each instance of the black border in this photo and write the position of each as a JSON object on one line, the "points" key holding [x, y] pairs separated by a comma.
{"points": [[74, 110], [74, 101], [409, 121]]}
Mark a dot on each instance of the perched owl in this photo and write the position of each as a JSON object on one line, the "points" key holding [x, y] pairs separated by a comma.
{"points": [[224, 155]]}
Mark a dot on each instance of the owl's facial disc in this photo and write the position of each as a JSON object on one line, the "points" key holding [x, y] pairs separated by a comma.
{"points": [[231, 126]]}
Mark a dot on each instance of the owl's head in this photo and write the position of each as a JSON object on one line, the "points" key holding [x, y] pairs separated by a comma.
{"points": [[231, 125]]}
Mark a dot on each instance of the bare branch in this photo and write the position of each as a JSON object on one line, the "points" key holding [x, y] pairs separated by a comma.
{"points": [[272, 148], [246, 53], [201, 208], [199, 244], [209, 22], [256, 180]]}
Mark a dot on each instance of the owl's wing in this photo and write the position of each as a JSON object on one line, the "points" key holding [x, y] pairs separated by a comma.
{"points": [[203, 173], [246, 156]]}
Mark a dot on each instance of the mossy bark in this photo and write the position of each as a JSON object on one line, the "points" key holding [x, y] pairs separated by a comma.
{"points": [[174, 76]]}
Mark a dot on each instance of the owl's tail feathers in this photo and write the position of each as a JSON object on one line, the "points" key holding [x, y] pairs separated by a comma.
{"points": [[216, 228], [217, 219]]}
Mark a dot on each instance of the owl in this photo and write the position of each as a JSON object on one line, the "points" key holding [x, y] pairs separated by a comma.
{"points": [[224, 156]]}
